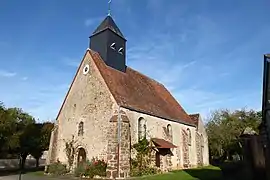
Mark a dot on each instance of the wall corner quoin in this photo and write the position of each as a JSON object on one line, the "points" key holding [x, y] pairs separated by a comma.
{"points": [[118, 148], [52, 153]]}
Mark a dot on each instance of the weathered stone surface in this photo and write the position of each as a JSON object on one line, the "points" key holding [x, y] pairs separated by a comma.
{"points": [[90, 101], [108, 174], [124, 149], [114, 174], [155, 129]]}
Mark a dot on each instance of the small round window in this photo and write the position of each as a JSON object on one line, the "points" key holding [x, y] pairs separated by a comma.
{"points": [[86, 69]]}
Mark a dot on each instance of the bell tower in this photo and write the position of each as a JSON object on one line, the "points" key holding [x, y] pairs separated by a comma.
{"points": [[110, 43]]}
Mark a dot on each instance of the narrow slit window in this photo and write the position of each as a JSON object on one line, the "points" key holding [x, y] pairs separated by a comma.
{"points": [[80, 129]]}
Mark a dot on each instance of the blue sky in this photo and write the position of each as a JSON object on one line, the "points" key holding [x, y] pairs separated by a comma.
{"points": [[208, 53]]}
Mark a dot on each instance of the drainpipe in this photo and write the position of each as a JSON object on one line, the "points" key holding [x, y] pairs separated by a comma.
{"points": [[119, 141]]}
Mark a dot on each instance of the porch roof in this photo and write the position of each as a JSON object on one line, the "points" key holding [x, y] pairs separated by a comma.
{"points": [[162, 143]]}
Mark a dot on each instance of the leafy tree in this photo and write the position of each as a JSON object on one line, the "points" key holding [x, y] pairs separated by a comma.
{"points": [[7, 127], [225, 127], [46, 134], [21, 125], [20, 135], [141, 164], [41, 133]]}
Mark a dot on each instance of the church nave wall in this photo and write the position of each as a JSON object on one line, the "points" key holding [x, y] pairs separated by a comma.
{"points": [[156, 128]]}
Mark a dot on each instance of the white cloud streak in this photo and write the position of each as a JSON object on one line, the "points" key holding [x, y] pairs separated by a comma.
{"points": [[25, 78], [7, 74]]}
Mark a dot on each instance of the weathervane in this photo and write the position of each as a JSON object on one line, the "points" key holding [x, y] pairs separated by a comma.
{"points": [[109, 9]]}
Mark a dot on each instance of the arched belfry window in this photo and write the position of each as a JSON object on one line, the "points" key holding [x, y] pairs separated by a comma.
{"points": [[141, 128], [189, 137], [80, 129]]}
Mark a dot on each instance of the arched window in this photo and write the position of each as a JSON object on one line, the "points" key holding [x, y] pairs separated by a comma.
{"points": [[189, 137], [169, 130], [141, 128], [80, 129]]}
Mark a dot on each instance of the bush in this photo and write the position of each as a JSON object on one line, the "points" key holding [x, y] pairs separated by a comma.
{"points": [[135, 171], [99, 167], [91, 168], [141, 164], [57, 168], [79, 171]]}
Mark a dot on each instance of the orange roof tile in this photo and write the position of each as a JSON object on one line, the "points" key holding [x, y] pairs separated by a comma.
{"points": [[138, 92]]}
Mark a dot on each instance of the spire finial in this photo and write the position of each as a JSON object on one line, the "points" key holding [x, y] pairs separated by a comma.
{"points": [[109, 9]]}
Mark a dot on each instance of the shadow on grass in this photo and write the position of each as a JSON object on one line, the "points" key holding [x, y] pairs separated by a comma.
{"points": [[17, 171], [224, 171], [205, 173]]}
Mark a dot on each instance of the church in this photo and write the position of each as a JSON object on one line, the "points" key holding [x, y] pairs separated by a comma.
{"points": [[110, 106]]}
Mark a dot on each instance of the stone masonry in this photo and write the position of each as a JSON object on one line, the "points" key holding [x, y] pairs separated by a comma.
{"points": [[89, 101], [118, 152]]}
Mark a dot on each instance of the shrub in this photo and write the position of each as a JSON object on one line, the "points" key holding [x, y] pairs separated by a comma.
{"points": [[99, 167], [79, 170], [57, 168], [91, 168], [135, 171]]}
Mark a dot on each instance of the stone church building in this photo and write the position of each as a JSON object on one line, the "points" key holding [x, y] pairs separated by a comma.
{"points": [[110, 106]]}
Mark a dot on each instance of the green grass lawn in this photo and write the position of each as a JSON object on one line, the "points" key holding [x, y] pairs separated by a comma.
{"points": [[205, 173]]}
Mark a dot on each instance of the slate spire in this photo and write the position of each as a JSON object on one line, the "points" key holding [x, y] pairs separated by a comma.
{"points": [[108, 23]]}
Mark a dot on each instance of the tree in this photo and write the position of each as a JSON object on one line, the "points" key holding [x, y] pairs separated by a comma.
{"points": [[46, 134], [7, 127], [225, 127], [20, 135], [41, 133], [143, 154], [21, 141]]}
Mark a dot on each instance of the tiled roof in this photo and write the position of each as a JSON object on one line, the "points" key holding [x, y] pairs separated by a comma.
{"points": [[161, 143], [138, 92]]}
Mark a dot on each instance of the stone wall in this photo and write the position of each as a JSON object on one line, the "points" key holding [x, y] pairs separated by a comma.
{"points": [[52, 153], [88, 101], [118, 153], [205, 149], [199, 149], [155, 128]]}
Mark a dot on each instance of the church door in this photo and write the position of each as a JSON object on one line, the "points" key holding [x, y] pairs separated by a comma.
{"points": [[81, 157], [157, 159]]}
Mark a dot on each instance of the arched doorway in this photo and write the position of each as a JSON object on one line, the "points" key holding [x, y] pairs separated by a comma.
{"points": [[81, 156]]}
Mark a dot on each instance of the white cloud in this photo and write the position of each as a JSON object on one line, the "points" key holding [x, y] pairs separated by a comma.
{"points": [[185, 62], [5, 73], [25, 78]]}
